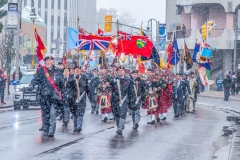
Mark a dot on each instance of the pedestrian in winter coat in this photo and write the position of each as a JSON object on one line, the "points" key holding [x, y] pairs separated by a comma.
{"points": [[227, 85], [3, 80], [238, 82]]}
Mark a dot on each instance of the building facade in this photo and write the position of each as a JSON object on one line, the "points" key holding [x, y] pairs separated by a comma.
{"points": [[193, 14], [57, 13]]}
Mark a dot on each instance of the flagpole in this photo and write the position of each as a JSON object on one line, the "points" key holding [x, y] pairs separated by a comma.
{"points": [[78, 57], [117, 44], [66, 40], [33, 65]]}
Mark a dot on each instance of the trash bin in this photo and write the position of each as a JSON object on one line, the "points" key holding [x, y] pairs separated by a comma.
{"points": [[219, 85]]}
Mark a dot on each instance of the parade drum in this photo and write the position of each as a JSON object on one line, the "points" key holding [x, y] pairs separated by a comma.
{"points": [[103, 101], [153, 102]]}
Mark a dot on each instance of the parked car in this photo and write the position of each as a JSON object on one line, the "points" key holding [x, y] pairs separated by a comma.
{"points": [[22, 96]]}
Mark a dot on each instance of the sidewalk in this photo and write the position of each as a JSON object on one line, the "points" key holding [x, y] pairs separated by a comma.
{"points": [[218, 95], [8, 98]]}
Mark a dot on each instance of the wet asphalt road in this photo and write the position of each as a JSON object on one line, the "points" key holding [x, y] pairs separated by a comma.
{"points": [[191, 137]]}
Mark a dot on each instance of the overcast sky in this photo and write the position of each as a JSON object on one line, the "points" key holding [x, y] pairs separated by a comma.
{"points": [[142, 10]]}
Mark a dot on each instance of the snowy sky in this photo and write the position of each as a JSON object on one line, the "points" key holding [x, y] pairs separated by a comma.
{"points": [[142, 10]]}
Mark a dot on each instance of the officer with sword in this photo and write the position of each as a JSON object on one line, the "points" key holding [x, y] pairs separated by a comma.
{"points": [[123, 96]]}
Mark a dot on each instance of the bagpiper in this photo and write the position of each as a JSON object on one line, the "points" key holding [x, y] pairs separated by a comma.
{"points": [[151, 100], [104, 93]]}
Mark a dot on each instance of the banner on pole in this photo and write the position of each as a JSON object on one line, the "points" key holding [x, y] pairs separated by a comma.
{"points": [[12, 21]]}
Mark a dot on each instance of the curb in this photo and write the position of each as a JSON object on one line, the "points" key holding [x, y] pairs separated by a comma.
{"points": [[199, 95], [3, 107], [235, 145]]}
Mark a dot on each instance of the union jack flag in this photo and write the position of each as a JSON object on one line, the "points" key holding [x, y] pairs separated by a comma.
{"points": [[124, 36]]}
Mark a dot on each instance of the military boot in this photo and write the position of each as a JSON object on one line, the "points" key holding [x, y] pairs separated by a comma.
{"points": [[149, 119]]}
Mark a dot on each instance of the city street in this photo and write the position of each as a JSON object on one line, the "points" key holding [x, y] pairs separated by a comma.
{"points": [[191, 137]]}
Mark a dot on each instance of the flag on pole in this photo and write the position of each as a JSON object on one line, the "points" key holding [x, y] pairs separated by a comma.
{"points": [[187, 54], [39, 49], [176, 54], [72, 38], [170, 54], [196, 52]]}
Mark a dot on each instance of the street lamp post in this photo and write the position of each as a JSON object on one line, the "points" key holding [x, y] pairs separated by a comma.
{"points": [[157, 32]]}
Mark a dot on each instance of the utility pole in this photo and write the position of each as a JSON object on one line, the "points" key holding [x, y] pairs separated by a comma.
{"points": [[17, 40], [235, 50]]}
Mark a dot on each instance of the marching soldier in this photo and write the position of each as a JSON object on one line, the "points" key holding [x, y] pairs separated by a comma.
{"points": [[139, 90], [187, 92], [178, 95], [104, 94], [80, 102], [68, 94], [51, 81], [151, 100], [191, 103], [123, 97], [93, 86]]}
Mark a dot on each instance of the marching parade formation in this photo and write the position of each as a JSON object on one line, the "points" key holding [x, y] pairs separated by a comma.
{"points": [[113, 90]]}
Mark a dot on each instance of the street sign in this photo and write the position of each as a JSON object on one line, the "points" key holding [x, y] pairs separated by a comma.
{"points": [[108, 24], [12, 21]]}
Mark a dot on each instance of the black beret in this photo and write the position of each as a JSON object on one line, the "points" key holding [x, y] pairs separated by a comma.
{"points": [[79, 67], [95, 69], [121, 67], [135, 71], [48, 57]]}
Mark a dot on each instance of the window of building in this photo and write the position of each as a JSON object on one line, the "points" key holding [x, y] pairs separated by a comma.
{"points": [[52, 20], [46, 4], [25, 3], [59, 4], [52, 5], [65, 4], [45, 18]]}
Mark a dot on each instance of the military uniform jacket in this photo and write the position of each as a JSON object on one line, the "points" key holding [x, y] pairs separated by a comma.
{"points": [[68, 90], [47, 91], [140, 87], [178, 89], [93, 86], [127, 90], [187, 90], [101, 81]]}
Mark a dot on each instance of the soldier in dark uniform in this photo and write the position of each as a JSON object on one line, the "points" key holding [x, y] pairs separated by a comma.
{"points": [[139, 90], [123, 96], [93, 85], [51, 95], [178, 95], [187, 92], [68, 91], [233, 84], [80, 103], [226, 85]]}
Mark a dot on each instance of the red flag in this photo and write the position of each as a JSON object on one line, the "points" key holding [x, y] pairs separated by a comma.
{"points": [[141, 68], [170, 54], [124, 43], [39, 49], [100, 32], [141, 45]]}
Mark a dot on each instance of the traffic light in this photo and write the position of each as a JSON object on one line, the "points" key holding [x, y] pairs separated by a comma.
{"points": [[204, 31], [108, 24], [210, 24]]}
